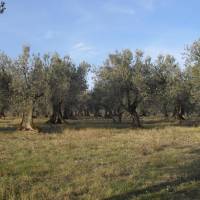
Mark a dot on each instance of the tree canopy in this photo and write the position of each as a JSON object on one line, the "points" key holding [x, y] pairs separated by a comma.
{"points": [[2, 7], [128, 86]]}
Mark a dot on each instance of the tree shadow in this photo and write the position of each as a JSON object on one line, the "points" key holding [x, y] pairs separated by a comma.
{"points": [[190, 174], [98, 124], [109, 124], [7, 126], [164, 122], [169, 186], [7, 130], [189, 123], [51, 128], [80, 125]]}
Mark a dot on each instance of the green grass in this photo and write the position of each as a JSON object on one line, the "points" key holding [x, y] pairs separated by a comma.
{"points": [[99, 160]]}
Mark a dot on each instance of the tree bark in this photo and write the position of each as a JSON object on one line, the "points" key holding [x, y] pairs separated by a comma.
{"points": [[117, 117], [87, 113], [136, 119], [57, 117], [179, 112], [66, 114], [96, 113], [132, 109], [120, 117], [165, 112], [27, 117], [2, 114]]}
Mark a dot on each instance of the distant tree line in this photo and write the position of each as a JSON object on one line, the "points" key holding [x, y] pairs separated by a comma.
{"points": [[38, 85], [128, 85]]}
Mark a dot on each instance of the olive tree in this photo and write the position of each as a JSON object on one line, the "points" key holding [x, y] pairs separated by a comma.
{"points": [[124, 75], [164, 73], [192, 58], [29, 84], [76, 96], [5, 83], [59, 82]]}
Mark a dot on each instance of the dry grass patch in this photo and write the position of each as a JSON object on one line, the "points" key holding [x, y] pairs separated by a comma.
{"points": [[100, 163]]}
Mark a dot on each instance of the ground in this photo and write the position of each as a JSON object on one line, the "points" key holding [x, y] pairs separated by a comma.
{"points": [[99, 160]]}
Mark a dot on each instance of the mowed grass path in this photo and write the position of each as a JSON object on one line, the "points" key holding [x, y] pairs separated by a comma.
{"points": [[92, 163]]}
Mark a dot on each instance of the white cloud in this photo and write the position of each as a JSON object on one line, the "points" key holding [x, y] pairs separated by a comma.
{"points": [[148, 4], [119, 9], [82, 47], [151, 5], [131, 8], [50, 34], [81, 51]]}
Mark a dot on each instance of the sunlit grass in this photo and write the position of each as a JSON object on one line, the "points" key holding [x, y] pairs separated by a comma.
{"points": [[81, 161]]}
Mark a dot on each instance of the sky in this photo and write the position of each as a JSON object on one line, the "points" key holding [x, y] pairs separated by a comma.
{"points": [[91, 29]]}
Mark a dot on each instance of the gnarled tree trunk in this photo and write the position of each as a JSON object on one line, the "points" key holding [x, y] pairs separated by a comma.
{"points": [[66, 114], [165, 111], [117, 114], [27, 117], [2, 114], [57, 117], [132, 109], [120, 117], [179, 112], [136, 119]]}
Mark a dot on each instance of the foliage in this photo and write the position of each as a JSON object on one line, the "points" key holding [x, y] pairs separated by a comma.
{"points": [[5, 83], [2, 7], [128, 86]]}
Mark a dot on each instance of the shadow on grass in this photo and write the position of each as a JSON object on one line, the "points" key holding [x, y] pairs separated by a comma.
{"points": [[7, 126], [163, 123], [51, 128], [108, 124], [80, 125], [188, 184], [7, 130]]}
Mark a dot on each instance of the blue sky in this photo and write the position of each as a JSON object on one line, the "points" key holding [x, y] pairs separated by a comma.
{"points": [[90, 29]]}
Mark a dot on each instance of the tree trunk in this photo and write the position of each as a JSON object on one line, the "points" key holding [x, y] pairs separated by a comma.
{"points": [[27, 117], [87, 113], [57, 117], [136, 119], [117, 117], [120, 117], [179, 112], [132, 109], [165, 112], [174, 113], [2, 114], [96, 113], [66, 114], [106, 115]]}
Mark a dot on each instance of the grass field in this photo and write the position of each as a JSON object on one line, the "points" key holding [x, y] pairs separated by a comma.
{"points": [[99, 160]]}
